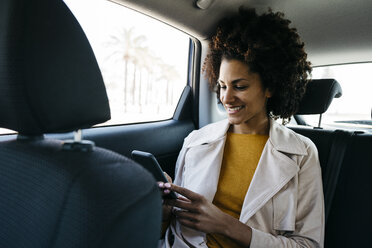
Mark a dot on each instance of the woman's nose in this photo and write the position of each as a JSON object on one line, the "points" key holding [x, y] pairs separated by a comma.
{"points": [[228, 95]]}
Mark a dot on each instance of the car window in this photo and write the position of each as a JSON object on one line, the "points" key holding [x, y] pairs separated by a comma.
{"points": [[143, 62], [353, 109]]}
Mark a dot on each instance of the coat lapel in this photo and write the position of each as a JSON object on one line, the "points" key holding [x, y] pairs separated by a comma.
{"points": [[204, 158], [274, 170]]}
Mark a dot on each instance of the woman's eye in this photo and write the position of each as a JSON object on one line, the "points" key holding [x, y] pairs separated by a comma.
{"points": [[222, 86], [240, 87]]}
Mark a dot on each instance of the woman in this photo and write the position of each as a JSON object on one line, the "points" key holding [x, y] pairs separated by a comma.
{"points": [[248, 181]]}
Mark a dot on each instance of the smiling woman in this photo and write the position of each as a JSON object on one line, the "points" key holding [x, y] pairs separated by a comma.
{"points": [[275, 52], [245, 181], [243, 96]]}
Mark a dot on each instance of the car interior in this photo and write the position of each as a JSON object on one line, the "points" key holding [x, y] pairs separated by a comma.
{"points": [[66, 177]]}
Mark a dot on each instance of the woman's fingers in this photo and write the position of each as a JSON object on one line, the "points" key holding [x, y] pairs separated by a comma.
{"points": [[188, 223], [164, 187], [183, 199], [168, 177], [188, 219], [195, 211], [185, 205], [185, 192], [185, 215]]}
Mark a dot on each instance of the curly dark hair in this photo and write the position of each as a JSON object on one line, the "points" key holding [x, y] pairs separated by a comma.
{"points": [[270, 48]]}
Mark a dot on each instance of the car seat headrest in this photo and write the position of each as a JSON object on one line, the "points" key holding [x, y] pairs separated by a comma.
{"points": [[318, 96], [49, 78]]}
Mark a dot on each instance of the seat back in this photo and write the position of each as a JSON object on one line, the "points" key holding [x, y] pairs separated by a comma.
{"points": [[346, 161], [318, 97], [350, 214], [55, 193], [323, 141], [52, 197]]}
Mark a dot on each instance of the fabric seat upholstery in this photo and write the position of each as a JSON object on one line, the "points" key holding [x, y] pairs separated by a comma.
{"points": [[51, 196], [349, 206], [318, 97]]}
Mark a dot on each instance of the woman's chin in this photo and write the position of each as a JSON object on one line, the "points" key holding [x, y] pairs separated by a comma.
{"points": [[234, 121]]}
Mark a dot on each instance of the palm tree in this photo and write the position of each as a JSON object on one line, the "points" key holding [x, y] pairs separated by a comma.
{"points": [[149, 65], [144, 64], [169, 74], [127, 47]]}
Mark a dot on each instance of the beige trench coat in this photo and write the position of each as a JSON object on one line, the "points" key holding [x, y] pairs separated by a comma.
{"points": [[284, 204]]}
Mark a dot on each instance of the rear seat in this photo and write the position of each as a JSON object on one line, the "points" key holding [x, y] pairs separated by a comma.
{"points": [[322, 139], [350, 215], [318, 97], [346, 162]]}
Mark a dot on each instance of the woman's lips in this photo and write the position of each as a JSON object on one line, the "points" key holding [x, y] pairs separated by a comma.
{"points": [[233, 110]]}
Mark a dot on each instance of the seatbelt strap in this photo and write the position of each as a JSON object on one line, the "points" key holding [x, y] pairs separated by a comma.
{"points": [[334, 163]]}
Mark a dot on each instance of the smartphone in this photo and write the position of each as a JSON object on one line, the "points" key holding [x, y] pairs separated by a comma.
{"points": [[148, 161]]}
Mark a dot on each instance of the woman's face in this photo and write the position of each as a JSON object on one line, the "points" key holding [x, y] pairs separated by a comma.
{"points": [[243, 96]]}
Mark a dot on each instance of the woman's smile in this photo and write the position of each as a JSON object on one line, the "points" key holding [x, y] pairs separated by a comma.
{"points": [[233, 110], [243, 96]]}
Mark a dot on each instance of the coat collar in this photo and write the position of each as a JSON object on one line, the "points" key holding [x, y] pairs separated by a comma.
{"points": [[209, 134], [282, 138]]}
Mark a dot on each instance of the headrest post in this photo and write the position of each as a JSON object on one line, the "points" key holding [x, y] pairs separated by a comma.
{"points": [[78, 144], [77, 135], [320, 120]]}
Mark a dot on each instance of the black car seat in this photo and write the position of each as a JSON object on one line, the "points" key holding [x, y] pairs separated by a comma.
{"points": [[346, 159], [331, 144], [57, 193]]}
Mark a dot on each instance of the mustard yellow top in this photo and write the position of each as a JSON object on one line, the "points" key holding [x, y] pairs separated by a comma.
{"points": [[241, 155]]}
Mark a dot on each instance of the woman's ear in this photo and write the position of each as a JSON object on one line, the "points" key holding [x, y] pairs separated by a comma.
{"points": [[269, 93]]}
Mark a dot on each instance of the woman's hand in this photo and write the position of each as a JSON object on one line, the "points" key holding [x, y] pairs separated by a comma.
{"points": [[197, 213], [165, 188]]}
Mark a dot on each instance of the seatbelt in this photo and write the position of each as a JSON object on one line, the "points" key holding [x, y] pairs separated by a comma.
{"points": [[334, 163]]}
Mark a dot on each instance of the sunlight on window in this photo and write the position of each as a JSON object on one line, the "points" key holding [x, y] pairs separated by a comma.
{"points": [[143, 61], [6, 131]]}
